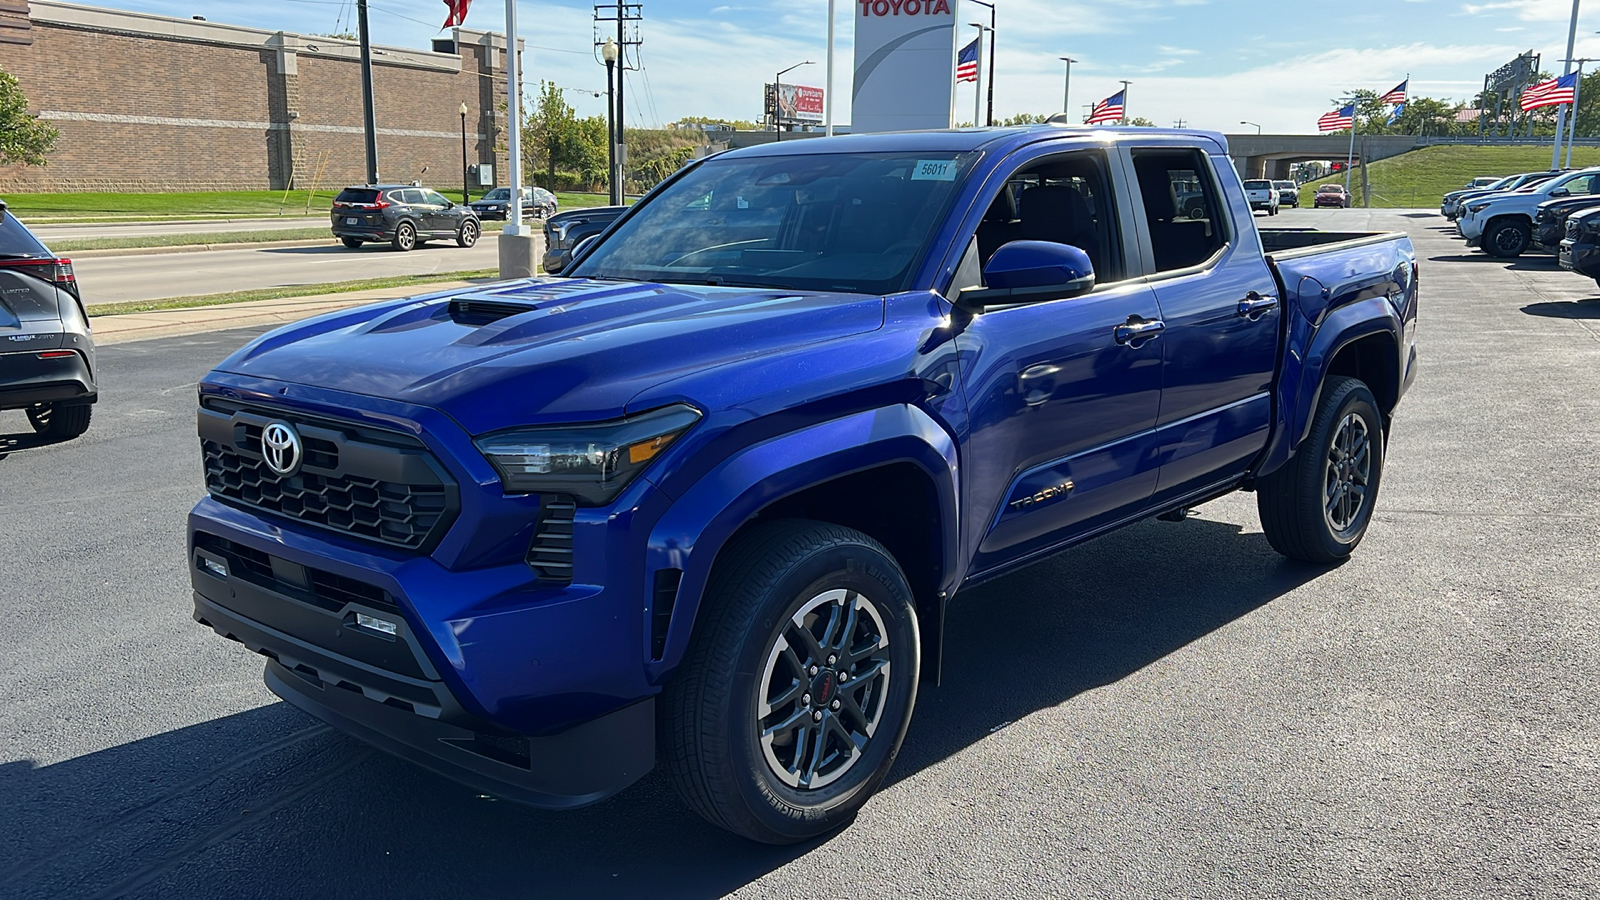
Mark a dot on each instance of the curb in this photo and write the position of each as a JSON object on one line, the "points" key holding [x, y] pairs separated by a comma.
{"points": [[194, 248]]}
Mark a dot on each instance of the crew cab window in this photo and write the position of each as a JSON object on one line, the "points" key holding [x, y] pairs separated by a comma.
{"points": [[1065, 199], [855, 222], [1182, 206], [1588, 184]]}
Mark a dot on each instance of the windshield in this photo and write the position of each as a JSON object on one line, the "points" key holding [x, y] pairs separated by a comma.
{"points": [[853, 222], [1331, 189], [498, 194], [1283, 184]]}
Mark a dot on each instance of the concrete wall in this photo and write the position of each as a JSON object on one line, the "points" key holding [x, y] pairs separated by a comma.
{"points": [[150, 103]]}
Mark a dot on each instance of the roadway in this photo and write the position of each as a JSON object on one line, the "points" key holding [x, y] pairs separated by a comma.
{"points": [[1171, 710], [48, 233], [112, 279]]}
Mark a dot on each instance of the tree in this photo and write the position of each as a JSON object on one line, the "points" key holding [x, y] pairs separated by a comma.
{"points": [[1141, 122], [546, 133], [24, 139], [1026, 119]]}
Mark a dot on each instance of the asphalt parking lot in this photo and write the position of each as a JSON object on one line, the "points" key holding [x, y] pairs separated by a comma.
{"points": [[1172, 710]]}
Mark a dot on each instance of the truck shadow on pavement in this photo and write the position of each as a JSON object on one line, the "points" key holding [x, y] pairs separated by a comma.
{"points": [[270, 802], [24, 440], [1557, 309]]}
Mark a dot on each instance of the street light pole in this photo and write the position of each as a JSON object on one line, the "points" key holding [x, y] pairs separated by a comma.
{"points": [[1066, 87], [369, 118], [777, 98], [827, 93], [613, 188], [989, 115], [1243, 122], [465, 197]]}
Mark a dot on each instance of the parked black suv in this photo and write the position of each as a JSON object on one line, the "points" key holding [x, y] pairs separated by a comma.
{"points": [[405, 215], [46, 352], [563, 232]]}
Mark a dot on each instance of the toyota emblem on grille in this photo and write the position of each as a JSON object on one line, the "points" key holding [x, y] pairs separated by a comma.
{"points": [[280, 448]]}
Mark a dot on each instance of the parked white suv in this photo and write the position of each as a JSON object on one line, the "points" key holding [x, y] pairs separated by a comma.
{"points": [[1502, 224], [1262, 195]]}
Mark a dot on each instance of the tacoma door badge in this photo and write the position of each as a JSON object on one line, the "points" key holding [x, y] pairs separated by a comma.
{"points": [[1049, 493]]}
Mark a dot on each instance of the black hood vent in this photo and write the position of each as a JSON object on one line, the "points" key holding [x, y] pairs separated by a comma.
{"points": [[469, 311]]}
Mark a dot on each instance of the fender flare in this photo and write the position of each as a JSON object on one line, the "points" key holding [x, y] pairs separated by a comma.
{"points": [[1300, 388], [691, 534]]}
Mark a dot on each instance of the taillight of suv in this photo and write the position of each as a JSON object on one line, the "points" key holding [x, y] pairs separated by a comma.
{"points": [[56, 271]]}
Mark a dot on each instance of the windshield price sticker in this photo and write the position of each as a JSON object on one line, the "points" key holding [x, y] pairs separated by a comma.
{"points": [[934, 170]]}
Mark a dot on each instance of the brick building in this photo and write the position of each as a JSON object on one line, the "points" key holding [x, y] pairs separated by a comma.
{"points": [[151, 103]]}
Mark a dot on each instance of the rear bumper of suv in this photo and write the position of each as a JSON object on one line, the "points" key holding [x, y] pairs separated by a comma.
{"points": [[28, 377]]}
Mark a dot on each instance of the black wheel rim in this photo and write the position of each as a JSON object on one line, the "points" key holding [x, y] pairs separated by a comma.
{"points": [[1508, 239], [824, 688], [1347, 476]]}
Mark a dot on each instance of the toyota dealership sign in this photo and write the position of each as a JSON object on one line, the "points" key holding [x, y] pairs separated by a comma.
{"points": [[905, 65]]}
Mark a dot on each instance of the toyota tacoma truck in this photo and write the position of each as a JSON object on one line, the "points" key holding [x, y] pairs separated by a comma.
{"points": [[703, 501]]}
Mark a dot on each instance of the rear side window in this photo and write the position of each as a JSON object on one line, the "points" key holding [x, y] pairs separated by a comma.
{"points": [[16, 240], [1257, 185], [1182, 206], [357, 195]]}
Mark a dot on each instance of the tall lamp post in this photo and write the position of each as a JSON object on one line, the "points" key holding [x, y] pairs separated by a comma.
{"points": [[989, 116], [608, 52], [1258, 127], [1066, 87], [465, 197], [777, 96]]}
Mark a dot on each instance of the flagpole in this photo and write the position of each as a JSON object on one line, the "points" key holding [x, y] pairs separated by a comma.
{"points": [[1572, 132], [977, 83], [1125, 101], [1350, 157], [827, 96], [1566, 69]]}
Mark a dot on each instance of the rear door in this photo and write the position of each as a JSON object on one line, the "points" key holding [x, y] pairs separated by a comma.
{"points": [[443, 216], [1222, 312]]}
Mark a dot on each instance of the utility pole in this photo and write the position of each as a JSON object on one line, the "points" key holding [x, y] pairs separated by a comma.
{"points": [[623, 14], [989, 116], [1566, 69], [1066, 87], [369, 116]]}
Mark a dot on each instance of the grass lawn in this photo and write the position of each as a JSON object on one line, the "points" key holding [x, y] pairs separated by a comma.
{"points": [[1422, 177], [200, 205], [209, 238], [298, 290]]}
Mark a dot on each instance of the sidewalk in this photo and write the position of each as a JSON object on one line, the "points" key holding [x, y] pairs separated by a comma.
{"points": [[174, 322]]}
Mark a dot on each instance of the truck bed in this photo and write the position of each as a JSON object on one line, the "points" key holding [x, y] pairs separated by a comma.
{"points": [[1291, 243]]}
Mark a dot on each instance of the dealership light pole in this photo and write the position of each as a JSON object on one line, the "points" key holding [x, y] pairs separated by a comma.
{"points": [[1066, 86], [777, 97], [465, 197], [608, 52], [1566, 69], [1242, 122], [989, 114], [369, 118], [827, 95]]}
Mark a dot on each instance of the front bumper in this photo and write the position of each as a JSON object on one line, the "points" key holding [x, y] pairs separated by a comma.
{"points": [[26, 379], [486, 212], [1581, 256], [1470, 227], [534, 690], [1262, 204]]}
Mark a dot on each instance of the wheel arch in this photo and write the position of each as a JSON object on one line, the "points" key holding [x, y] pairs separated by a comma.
{"points": [[890, 473]]}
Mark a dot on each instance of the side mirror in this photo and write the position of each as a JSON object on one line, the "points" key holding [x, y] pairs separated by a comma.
{"points": [[1029, 271], [1560, 192], [578, 248]]}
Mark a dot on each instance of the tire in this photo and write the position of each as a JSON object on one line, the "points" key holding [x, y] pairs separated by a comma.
{"points": [[405, 237], [1300, 520], [467, 235], [774, 588], [1506, 239], [351, 243], [60, 423]]}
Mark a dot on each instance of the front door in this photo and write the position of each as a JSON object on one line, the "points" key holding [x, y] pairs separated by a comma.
{"points": [[1222, 312], [1063, 393]]}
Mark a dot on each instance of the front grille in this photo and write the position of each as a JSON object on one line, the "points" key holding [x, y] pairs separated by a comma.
{"points": [[319, 587], [1573, 229], [550, 554], [367, 483]]}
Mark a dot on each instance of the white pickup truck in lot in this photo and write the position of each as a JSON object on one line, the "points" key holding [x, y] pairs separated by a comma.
{"points": [[1502, 224], [1262, 194]]}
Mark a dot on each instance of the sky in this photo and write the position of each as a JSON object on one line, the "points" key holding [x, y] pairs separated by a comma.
{"points": [[1210, 63]]}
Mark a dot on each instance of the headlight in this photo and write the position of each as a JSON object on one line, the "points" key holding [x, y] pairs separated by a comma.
{"points": [[1476, 208], [592, 462]]}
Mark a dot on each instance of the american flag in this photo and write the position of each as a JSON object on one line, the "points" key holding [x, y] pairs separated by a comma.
{"points": [[1398, 95], [1341, 118], [1550, 93], [1107, 110], [457, 12], [967, 62]]}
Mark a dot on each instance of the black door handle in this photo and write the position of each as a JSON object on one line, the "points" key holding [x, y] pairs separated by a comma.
{"points": [[1254, 305], [1137, 330]]}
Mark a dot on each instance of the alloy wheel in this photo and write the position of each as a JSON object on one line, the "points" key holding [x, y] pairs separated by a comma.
{"points": [[1347, 475], [823, 691]]}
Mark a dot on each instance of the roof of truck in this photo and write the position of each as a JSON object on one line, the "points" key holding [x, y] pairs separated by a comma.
{"points": [[965, 139]]}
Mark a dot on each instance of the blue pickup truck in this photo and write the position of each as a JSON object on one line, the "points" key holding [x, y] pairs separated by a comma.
{"points": [[704, 500]]}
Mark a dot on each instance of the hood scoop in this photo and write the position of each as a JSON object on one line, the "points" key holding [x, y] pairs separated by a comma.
{"points": [[487, 307], [479, 312]]}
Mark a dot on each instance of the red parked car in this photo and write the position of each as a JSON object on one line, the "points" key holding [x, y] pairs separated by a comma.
{"points": [[1332, 195]]}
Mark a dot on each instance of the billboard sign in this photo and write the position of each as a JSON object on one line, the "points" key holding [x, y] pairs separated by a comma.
{"points": [[904, 66], [792, 104]]}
